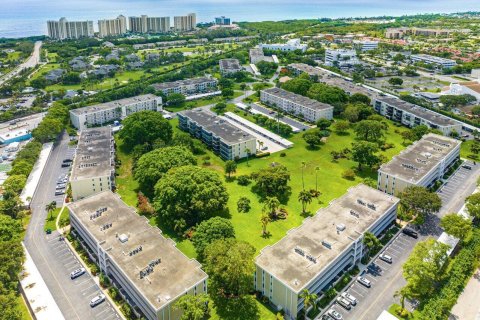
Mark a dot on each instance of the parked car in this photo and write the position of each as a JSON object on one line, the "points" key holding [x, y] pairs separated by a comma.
{"points": [[465, 166], [386, 258], [67, 160], [350, 298], [410, 232], [61, 186], [77, 273], [97, 300], [59, 192], [65, 165], [364, 281], [334, 314], [344, 303]]}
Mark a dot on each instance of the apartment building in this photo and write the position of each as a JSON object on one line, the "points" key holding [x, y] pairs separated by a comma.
{"points": [[291, 45], [112, 27], [147, 268], [412, 115], [365, 46], [421, 164], [185, 23], [437, 61], [187, 87], [256, 55], [222, 21], [93, 169], [229, 66], [64, 29], [225, 139], [325, 245], [341, 57], [146, 24], [311, 110], [105, 113], [398, 33]]}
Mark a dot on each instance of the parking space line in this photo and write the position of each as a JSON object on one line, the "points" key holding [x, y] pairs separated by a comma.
{"points": [[64, 255], [113, 314], [81, 282], [391, 254], [356, 293], [105, 310], [88, 288], [57, 252], [96, 293]]}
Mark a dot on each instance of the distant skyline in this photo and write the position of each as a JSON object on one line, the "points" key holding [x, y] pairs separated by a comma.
{"points": [[28, 17]]}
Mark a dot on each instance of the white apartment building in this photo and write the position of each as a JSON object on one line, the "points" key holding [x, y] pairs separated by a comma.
{"points": [[146, 24], [439, 62], [325, 245], [63, 29], [105, 113], [291, 45], [93, 169], [311, 110], [421, 164], [366, 45], [112, 27], [229, 66], [225, 139], [188, 86], [147, 268], [412, 115], [341, 57], [185, 23]]}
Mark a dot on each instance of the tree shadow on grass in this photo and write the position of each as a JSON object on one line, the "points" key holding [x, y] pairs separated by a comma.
{"points": [[312, 148], [306, 214], [237, 308]]}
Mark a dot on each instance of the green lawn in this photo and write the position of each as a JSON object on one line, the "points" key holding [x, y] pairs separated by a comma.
{"points": [[23, 308], [50, 220], [465, 150], [411, 315]]}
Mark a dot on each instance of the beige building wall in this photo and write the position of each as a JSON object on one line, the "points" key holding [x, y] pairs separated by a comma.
{"points": [[392, 185], [170, 313], [86, 187], [239, 149]]}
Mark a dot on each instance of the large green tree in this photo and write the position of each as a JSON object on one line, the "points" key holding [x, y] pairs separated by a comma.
{"points": [[424, 267], [15, 183], [229, 264], [299, 85], [144, 128], [48, 129], [210, 230], [416, 202], [193, 307], [154, 164], [473, 205], [369, 130], [456, 225], [363, 152], [188, 195], [10, 229], [272, 181]]}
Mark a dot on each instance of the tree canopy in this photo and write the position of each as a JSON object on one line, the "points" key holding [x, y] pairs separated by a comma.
{"points": [[456, 225], [187, 195], [210, 230], [416, 202], [363, 152], [194, 307], [272, 181], [369, 130], [154, 164], [144, 128]]}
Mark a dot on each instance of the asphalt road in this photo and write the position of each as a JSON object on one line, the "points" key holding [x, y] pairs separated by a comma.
{"points": [[387, 278], [31, 62], [54, 258]]}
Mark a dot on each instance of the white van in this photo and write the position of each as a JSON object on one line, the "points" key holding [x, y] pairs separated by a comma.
{"points": [[97, 300]]}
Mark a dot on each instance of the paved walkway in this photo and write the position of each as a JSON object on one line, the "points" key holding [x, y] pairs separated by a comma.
{"points": [[467, 307], [34, 177]]}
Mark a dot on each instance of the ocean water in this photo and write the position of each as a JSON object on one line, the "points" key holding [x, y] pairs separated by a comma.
{"points": [[22, 18]]}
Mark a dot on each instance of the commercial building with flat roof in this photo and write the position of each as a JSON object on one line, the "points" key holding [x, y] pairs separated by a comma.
{"points": [[225, 139], [440, 62], [188, 86], [105, 113], [412, 115], [93, 168], [341, 57], [421, 164], [147, 268], [325, 245], [311, 110], [291, 45], [229, 66]]}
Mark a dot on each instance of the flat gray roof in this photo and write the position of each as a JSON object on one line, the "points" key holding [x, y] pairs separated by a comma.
{"points": [[304, 101], [420, 112], [113, 104], [413, 163], [229, 133], [318, 237], [94, 154], [230, 64], [173, 276], [180, 83]]}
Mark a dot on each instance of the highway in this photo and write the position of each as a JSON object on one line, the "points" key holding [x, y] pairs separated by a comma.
{"points": [[31, 62], [53, 257]]}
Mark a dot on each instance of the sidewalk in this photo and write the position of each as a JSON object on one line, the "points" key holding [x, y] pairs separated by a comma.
{"points": [[34, 177], [467, 307], [39, 299]]}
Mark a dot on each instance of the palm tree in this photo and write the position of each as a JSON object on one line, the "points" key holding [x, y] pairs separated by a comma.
{"points": [[309, 299], [305, 197], [265, 219], [303, 180], [403, 293], [49, 207], [270, 206]]}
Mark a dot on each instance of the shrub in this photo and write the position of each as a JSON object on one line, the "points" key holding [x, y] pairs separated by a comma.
{"points": [[348, 174], [243, 204], [243, 180], [262, 155], [283, 154]]}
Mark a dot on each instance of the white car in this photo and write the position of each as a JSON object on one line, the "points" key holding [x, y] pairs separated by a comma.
{"points": [[350, 298], [386, 258], [97, 300], [77, 273], [334, 314], [344, 303], [364, 281]]}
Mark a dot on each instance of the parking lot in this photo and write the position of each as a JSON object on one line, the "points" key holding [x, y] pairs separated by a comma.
{"points": [[381, 275], [63, 172], [84, 285]]}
